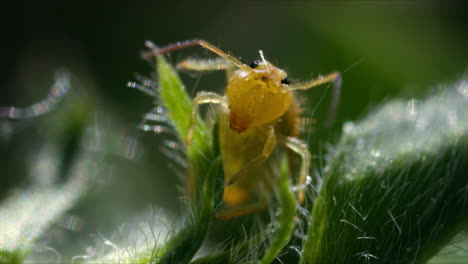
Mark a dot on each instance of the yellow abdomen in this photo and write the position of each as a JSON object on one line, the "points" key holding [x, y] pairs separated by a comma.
{"points": [[237, 151]]}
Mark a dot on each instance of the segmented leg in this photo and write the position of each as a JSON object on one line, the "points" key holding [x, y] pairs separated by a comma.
{"points": [[189, 43], [315, 82], [266, 152], [334, 77], [204, 64], [301, 149], [202, 98]]}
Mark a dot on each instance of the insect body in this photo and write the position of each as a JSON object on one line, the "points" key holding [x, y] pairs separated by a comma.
{"points": [[259, 112]]}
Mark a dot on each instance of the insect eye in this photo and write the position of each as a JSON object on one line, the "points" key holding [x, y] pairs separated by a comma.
{"points": [[254, 64], [285, 80]]}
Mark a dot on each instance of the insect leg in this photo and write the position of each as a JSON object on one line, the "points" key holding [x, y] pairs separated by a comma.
{"points": [[155, 51], [204, 64], [332, 77], [202, 98], [300, 148], [266, 152]]}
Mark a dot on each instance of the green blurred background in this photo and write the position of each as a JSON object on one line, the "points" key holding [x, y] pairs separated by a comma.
{"points": [[404, 49]]}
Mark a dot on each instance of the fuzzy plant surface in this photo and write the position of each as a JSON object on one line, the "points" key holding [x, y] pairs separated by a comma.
{"points": [[396, 186], [205, 167], [394, 190], [28, 212], [70, 158]]}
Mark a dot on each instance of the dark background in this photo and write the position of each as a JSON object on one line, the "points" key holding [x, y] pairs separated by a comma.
{"points": [[404, 49], [404, 44]]}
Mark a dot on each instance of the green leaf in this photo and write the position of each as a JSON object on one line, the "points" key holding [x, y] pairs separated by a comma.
{"points": [[455, 252], [287, 203], [205, 168], [396, 188], [60, 171], [11, 257], [178, 104]]}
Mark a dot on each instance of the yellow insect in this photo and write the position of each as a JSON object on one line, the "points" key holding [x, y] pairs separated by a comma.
{"points": [[259, 111]]}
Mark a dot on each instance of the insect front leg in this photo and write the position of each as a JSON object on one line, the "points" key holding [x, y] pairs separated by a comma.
{"points": [[204, 65], [268, 148], [218, 64], [299, 147], [189, 43], [202, 98]]}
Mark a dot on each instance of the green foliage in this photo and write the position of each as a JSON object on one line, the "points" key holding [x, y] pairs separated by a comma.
{"points": [[395, 190], [60, 171], [287, 203], [205, 164], [183, 246], [456, 251], [11, 257]]}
